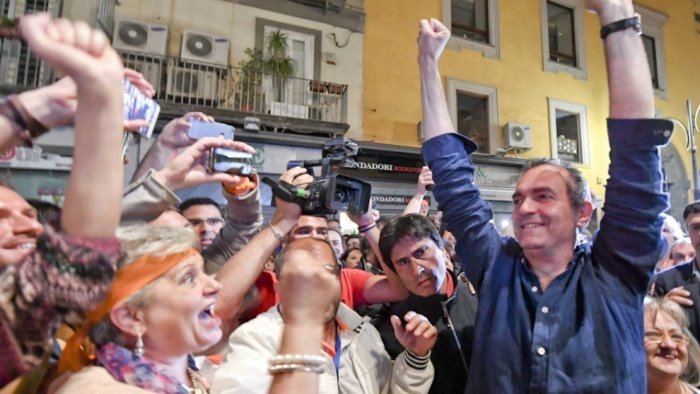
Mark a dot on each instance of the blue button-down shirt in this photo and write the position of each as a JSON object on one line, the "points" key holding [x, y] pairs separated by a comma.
{"points": [[584, 333]]}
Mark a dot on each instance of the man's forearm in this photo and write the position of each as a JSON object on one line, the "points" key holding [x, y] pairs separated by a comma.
{"points": [[238, 274], [436, 118], [629, 78]]}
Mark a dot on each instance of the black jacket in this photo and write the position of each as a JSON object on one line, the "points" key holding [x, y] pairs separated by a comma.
{"points": [[682, 275], [451, 368]]}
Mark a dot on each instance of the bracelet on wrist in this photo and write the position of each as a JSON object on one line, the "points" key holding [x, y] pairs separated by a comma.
{"points": [[23, 118], [367, 227], [285, 363], [277, 233]]}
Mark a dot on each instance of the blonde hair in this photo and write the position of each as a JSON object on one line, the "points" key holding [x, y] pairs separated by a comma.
{"points": [[652, 306], [138, 241]]}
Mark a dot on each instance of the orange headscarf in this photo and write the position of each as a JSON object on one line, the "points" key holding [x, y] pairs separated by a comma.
{"points": [[79, 351]]}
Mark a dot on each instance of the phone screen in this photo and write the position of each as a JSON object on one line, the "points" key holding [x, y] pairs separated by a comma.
{"points": [[138, 106]]}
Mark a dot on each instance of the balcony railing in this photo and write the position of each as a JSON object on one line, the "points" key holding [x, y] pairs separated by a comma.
{"points": [[200, 84], [238, 89]]}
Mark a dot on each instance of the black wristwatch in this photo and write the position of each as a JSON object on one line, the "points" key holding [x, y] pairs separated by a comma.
{"points": [[634, 22]]}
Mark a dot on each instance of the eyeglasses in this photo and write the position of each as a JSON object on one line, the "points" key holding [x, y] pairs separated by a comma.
{"points": [[656, 337], [212, 222]]}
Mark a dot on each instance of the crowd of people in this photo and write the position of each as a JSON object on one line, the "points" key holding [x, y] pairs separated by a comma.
{"points": [[129, 289]]}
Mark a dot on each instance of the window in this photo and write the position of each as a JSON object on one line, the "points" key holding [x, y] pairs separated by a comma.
{"points": [[470, 20], [562, 37], [653, 38], [569, 131], [474, 112], [474, 25], [650, 48]]}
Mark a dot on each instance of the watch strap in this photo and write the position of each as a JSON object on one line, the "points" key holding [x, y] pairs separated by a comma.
{"points": [[634, 22]]}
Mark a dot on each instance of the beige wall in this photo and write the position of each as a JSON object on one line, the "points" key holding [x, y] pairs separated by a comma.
{"points": [[238, 23]]}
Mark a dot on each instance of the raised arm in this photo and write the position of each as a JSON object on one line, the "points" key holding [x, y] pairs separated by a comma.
{"points": [[238, 274], [634, 197], [425, 180], [148, 197], [93, 195], [629, 79], [165, 147], [432, 38], [447, 154]]}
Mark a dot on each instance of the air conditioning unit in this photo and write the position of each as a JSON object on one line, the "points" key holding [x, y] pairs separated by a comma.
{"points": [[517, 136], [150, 68], [192, 84], [136, 36], [204, 47]]}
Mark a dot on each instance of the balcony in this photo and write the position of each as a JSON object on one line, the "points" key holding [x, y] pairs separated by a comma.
{"points": [[229, 93]]}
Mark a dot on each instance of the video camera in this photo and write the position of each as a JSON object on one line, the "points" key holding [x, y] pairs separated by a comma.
{"points": [[331, 191]]}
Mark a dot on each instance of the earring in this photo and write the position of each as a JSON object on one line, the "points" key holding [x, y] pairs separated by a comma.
{"points": [[138, 350]]}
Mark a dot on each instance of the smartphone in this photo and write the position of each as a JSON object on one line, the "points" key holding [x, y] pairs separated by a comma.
{"points": [[200, 129], [139, 106], [230, 161]]}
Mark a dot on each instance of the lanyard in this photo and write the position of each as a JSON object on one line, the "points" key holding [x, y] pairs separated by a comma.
{"points": [[336, 356]]}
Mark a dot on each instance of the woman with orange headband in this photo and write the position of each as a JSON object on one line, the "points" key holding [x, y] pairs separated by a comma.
{"points": [[161, 309]]}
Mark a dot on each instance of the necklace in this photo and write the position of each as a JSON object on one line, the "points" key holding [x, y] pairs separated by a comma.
{"points": [[199, 386]]}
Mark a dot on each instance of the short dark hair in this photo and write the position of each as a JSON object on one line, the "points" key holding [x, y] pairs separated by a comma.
{"points": [[190, 202], [693, 207], [577, 187], [351, 236], [412, 225]]}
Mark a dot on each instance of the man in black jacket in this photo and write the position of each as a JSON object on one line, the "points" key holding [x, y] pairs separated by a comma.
{"points": [[411, 246], [681, 283]]}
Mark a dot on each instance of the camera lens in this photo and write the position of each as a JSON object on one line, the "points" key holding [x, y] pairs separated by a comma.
{"points": [[342, 196]]}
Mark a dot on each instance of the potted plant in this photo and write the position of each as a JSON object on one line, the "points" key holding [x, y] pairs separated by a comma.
{"points": [[273, 62], [248, 89], [8, 28], [277, 62]]}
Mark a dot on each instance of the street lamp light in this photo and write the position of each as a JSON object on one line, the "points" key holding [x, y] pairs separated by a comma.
{"points": [[690, 130]]}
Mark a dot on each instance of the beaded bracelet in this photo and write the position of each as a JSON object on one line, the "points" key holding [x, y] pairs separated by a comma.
{"points": [[286, 368], [284, 363], [297, 359]]}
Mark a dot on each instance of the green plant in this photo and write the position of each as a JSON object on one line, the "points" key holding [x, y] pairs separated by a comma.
{"points": [[277, 61], [274, 60]]}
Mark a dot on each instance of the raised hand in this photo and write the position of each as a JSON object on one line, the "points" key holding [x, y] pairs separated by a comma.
{"points": [[418, 335], [72, 47], [307, 289], [432, 38], [188, 168], [174, 134], [287, 213], [425, 180]]}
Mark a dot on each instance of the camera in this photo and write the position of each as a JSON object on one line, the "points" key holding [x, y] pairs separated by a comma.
{"points": [[230, 161], [330, 192]]}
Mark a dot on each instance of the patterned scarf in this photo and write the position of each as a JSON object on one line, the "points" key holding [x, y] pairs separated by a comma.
{"points": [[127, 368]]}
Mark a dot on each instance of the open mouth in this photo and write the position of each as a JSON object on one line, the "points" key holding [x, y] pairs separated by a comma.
{"points": [[530, 225], [667, 355], [208, 313]]}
